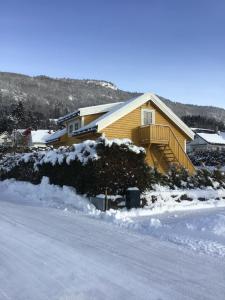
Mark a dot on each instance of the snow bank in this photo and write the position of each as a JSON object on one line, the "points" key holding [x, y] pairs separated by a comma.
{"points": [[188, 224], [44, 194]]}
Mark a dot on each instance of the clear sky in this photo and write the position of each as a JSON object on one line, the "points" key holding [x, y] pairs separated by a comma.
{"points": [[175, 48]]}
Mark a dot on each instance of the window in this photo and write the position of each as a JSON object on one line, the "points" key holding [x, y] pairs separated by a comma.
{"points": [[148, 117], [71, 128], [76, 126]]}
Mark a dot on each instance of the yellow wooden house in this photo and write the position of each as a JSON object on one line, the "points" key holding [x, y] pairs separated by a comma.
{"points": [[145, 120]]}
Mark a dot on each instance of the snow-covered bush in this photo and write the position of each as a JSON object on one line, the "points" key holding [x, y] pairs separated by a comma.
{"points": [[91, 167], [208, 158]]}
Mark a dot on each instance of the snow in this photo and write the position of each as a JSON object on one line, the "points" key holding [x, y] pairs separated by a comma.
{"points": [[104, 84], [127, 142], [40, 136], [213, 138], [82, 152], [71, 253]]}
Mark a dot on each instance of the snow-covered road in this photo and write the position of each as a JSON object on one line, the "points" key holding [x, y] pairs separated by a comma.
{"points": [[47, 253]]}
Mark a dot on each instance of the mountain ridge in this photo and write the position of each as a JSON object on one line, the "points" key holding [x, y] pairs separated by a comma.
{"points": [[54, 97]]}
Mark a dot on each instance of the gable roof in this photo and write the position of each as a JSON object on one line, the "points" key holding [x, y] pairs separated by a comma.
{"points": [[89, 110], [124, 108], [213, 138]]}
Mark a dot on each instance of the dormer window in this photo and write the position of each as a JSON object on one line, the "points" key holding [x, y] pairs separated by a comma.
{"points": [[148, 117]]}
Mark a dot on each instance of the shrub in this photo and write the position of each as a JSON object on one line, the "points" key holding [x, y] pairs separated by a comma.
{"points": [[91, 167]]}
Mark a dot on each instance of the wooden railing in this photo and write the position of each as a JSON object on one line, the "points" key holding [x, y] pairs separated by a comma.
{"points": [[163, 134], [154, 134]]}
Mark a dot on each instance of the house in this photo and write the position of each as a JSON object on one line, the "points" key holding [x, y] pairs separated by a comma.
{"points": [[145, 120], [5, 139], [37, 138], [206, 139], [30, 138]]}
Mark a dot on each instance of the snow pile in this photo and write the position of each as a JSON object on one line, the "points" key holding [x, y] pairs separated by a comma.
{"points": [[83, 152], [44, 194], [124, 142]]}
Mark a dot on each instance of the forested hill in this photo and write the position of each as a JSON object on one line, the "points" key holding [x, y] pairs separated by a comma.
{"points": [[43, 97]]}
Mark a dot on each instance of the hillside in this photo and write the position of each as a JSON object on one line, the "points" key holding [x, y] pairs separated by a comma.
{"points": [[52, 97]]}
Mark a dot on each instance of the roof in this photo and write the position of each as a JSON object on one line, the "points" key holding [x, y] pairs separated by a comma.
{"points": [[56, 135], [4, 134], [126, 107], [213, 138], [39, 136], [206, 130], [90, 110]]}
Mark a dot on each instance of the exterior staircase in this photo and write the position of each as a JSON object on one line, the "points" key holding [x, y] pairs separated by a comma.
{"points": [[166, 142]]}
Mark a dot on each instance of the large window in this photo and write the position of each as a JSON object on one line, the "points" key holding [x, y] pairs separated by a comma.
{"points": [[148, 117]]}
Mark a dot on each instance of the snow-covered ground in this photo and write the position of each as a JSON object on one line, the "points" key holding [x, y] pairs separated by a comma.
{"points": [[55, 245]]}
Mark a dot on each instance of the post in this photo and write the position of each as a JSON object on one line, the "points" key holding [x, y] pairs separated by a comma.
{"points": [[106, 199]]}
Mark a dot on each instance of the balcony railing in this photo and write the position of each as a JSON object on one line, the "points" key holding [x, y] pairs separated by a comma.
{"points": [[162, 134], [154, 134]]}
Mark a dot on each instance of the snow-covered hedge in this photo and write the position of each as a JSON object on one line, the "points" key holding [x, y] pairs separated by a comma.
{"points": [[208, 158], [91, 167]]}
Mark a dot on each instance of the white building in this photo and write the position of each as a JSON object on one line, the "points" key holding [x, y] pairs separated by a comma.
{"points": [[38, 137], [206, 139], [5, 139], [30, 138]]}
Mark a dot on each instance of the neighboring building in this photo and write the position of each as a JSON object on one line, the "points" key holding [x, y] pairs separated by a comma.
{"points": [[145, 120], [5, 139], [206, 139], [38, 138], [30, 138]]}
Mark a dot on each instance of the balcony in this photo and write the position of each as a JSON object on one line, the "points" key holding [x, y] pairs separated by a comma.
{"points": [[166, 143], [154, 134]]}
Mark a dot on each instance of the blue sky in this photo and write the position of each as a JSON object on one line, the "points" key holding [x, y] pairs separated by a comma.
{"points": [[175, 48]]}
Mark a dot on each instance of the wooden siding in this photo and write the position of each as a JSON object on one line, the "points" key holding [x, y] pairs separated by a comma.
{"points": [[90, 118], [128, 127]]}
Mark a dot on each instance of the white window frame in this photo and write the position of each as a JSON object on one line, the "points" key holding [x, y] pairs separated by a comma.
{"points": [[73, 124], [142, 116]]}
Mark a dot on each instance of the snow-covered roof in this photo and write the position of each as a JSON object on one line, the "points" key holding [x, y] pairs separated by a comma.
{"points": [[90, 110], [56, 135], [213, 138], [126, 107], [39, 136], [4, 134]]}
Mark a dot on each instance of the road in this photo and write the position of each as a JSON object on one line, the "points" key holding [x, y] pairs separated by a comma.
{"points": [[47, 253]]}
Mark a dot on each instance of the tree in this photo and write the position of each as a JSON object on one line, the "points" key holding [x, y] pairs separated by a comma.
{"points": [[19, 115]]}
